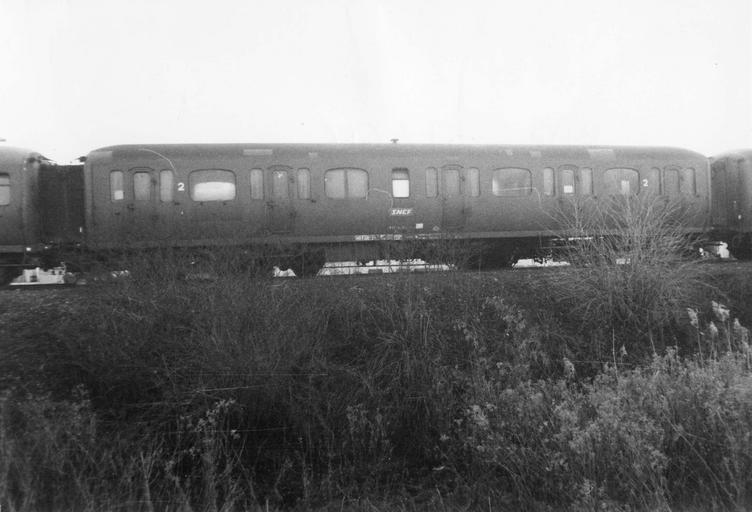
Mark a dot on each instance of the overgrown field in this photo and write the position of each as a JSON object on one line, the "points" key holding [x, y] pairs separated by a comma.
{"points": [[452, 391]]}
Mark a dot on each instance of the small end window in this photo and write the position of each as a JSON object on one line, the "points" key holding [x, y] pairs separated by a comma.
{"points": [[117, 192], [4, 189]]}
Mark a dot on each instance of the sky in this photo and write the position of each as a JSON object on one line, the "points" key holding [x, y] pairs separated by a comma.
{"points": [[82, 74]]}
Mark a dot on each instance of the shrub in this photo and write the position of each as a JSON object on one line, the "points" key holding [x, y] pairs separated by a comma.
{"points": [[633, 271]]}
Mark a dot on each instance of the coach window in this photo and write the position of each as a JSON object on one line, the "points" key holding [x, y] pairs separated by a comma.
{"points": [[567, 182], [280, 184], [511, 182], [687, 182], [116, 186], [400, 182], [671, 182], [257, 184], [586, 181], [141, 186], [346, 183], [4, 189], [473, 180], [451, 182], [548, 182], [623, 182], [212, 185], [432, 182], [304, 184], [166, 182]]}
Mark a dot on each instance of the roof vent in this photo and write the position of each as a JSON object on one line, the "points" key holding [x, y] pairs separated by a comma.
{"points": [[601, 154], [257, 152]]}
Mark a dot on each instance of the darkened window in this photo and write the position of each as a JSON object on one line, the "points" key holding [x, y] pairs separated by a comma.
{"points": [[400, 183], [687, 183], [511, 182], [623, 182], [432, 182], [548, 182], [346, 183], [116, 186], [586, 181], [473, 181], [4, 189], [304, 184], [212, 185], [451, 182], [280, 188], [567, 182], [257, 184], [671, 182], [166, 185]]}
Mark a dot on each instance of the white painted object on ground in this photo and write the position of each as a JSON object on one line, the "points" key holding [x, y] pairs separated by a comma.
{"points": [[37, 276], [276, 272]]}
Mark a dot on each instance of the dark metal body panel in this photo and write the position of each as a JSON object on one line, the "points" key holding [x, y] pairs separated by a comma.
{"points": [[61, 204], [320, 219]]}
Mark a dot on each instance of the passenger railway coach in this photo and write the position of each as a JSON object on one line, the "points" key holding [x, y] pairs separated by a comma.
{"points": [[342, 201], [152, 195]]}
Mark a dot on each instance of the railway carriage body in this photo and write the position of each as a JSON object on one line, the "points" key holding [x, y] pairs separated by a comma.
{"points": [[358, 195], [19, 217], [731, 182]]}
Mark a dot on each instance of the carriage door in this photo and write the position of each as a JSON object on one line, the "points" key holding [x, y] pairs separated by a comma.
{"points": [[280, 212], [140, 211], [453, 204]]}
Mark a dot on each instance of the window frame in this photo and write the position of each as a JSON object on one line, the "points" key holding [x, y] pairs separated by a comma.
{"points": [[170, 196], [141, 171], [635, 172], [548, 175], [113, 189], [256, 190], [192, 185], [303, 184], [347, 174], [5, 186], [498, 172], [433, 182], [395, 181]]}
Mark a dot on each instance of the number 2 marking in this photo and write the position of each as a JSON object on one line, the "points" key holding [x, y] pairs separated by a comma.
{"points": [[645, 182], [181, 187]]}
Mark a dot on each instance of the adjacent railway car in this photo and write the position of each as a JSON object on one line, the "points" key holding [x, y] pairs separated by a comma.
{"points": [[350, 197], [731, 185], [19, 212]]}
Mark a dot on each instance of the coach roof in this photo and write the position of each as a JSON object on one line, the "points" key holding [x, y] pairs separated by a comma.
{"points": [[596, 153]]}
